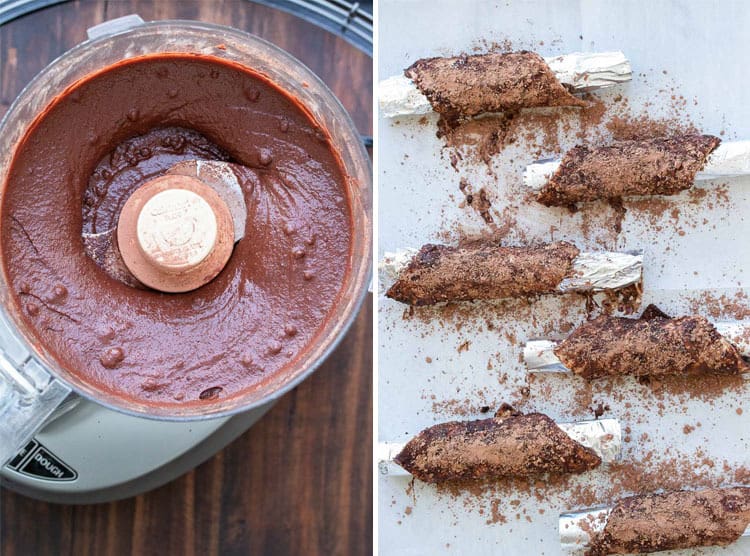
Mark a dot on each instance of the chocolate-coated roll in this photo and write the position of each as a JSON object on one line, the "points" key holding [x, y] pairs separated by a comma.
{"points": [[466, 86], [508, 445], [674, 520], [653, 345], [482, 270], [662, 166]]}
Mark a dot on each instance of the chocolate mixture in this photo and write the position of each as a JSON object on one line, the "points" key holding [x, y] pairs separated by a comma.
{"points": [[663, 166], [652, 345], [467, 86], [656, 522], [482, 270], [509, 445], [112, 132]]}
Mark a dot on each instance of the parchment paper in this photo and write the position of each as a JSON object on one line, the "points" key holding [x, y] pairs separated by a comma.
{"points": [[698, 50]]}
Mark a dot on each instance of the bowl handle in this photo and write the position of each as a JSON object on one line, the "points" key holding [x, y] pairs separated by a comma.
{"points": [[29, 395]]}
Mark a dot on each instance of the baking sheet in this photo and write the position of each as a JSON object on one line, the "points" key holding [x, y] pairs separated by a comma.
{"points": [[694, 49]]}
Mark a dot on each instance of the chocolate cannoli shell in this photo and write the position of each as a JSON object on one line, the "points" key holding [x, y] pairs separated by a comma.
{"points": [[466, 86], [662, 166], [515, 446], [655, 522], [483, 270], [656, 346]]}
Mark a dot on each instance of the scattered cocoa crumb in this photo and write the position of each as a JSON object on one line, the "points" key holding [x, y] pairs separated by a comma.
{"points": [[599, 410], [467, 407], [736, 307], [636, 127], [496, 516]]}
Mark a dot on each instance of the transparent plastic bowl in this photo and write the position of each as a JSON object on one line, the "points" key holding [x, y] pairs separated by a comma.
{"points": [[128, 38]]}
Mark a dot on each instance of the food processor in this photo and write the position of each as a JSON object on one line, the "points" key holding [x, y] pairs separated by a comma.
{"points": [[64, 441]]}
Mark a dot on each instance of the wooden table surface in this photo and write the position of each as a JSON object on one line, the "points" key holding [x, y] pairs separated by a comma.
{"points": [[300, 481]]}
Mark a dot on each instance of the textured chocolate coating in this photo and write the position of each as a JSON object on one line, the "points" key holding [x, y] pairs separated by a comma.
{"points": [[653, 346], [663, 166], [482, 270], [656, 522], [513, 446], [466, 86]]}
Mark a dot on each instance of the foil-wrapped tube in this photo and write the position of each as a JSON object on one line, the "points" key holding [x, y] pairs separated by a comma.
{"points": [[729, 159], [539, 355], [393, 263], [603, 436], [580, 71], [595, 272], [537, 174], [588, 71], [399, 96], [386, 452], [578, 528], [591, 272]]}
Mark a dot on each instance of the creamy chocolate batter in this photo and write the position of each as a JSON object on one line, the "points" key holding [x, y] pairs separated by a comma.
{"points": [[653, 345], [466, 86], [482, 270], [662, 166], [110, 133], [656, 522], [509, 445]]}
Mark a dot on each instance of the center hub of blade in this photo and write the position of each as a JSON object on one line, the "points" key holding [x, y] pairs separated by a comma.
{"points": [[175, 233]]}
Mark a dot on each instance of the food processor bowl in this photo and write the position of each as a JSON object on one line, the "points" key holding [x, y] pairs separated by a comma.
{"points": [[32, 383]]}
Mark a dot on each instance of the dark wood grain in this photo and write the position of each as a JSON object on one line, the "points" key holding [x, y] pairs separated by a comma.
{"points": [[300, 481]]}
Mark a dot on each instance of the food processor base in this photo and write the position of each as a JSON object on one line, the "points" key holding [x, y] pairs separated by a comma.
{"points": [[92, 454]]}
